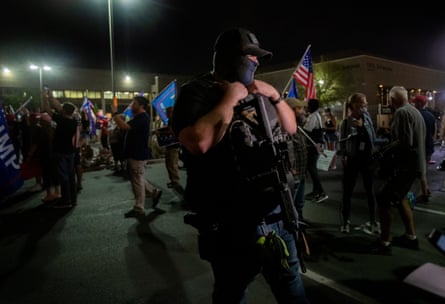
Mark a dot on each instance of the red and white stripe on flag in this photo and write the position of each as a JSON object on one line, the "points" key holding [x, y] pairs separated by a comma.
{"points": [[305, 75]]}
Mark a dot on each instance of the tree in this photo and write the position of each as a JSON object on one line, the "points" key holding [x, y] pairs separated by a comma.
{"points": [[333, 82]]}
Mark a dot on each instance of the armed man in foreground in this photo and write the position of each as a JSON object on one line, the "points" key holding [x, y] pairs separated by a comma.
{"points": [[233, 129]]}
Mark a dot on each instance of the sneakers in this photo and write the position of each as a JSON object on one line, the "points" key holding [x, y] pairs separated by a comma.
{"points": [[135, 212], [321, 197], [156, 197], [379, 248], [405, 242], [346, 228], [371, 228]]}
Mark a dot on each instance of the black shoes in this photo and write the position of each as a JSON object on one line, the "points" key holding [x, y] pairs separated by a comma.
{"points": [[400, 241], [135, 212], [321, 197], [316, 197]]}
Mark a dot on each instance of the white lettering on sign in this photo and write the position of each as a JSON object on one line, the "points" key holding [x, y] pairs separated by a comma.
{"points": [[7, 153]]}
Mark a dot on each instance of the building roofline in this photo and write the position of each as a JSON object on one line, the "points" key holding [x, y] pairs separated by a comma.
{"points": [[338, 57]]}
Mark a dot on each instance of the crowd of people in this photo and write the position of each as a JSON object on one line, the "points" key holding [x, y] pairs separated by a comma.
{"points": [[241, 212], [53, 145]]}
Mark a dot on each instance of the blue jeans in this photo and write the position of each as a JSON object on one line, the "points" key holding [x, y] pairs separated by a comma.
{"points": [[298, 197], [235, 267]]}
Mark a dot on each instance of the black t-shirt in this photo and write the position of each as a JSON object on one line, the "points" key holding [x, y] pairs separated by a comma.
{"points": [[63, 135], [136, 139], [212, 171]]}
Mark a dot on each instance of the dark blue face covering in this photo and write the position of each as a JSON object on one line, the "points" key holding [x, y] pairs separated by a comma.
{"points": [[236, 68], [246, 71]]}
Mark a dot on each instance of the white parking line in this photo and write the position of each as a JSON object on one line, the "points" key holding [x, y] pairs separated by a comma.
{"points": [[429, 210], [360, 298]]}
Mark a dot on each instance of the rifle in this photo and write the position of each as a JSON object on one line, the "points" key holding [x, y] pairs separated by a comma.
{"points": [[266, 125]]}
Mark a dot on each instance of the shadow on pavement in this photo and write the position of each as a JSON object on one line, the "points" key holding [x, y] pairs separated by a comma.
{"points": [[26, 227]]}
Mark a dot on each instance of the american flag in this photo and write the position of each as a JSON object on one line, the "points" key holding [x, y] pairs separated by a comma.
{"points": [[305, 75]]}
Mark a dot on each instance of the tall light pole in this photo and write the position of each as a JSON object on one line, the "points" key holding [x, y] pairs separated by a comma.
{"points": [[110, 30], [41, 69]]}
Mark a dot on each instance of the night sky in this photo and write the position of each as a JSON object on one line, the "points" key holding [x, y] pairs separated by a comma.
{"points": [[176, 36]]}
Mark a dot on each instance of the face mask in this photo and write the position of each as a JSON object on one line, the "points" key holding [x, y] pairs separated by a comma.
{"points": [[238, 68], [246, 71]]}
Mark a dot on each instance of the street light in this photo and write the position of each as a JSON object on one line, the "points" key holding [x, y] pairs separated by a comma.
{"points": [[110, 30], [40, 68]]}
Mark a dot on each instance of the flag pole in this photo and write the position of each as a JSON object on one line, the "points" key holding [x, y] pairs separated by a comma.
{"points": [[24, 104], [290, 79]]}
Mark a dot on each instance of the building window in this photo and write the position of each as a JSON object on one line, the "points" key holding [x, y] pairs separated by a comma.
{"points": [[73, 94], [94, 94]]}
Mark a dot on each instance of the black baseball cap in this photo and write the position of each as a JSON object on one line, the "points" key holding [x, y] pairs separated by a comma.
{"points": [[240, 40]]}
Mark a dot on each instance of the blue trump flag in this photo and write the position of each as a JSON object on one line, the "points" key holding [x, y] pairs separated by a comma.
{"points": [[164, 100], [128, 113], [293, 93], [88, 107], [10, 177]]}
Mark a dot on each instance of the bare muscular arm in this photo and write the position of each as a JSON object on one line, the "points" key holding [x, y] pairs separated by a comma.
{"points": [[210, 128]]}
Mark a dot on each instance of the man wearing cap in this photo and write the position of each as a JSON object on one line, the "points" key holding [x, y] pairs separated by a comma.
{"points": [[430, 123], [232, 217]]}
